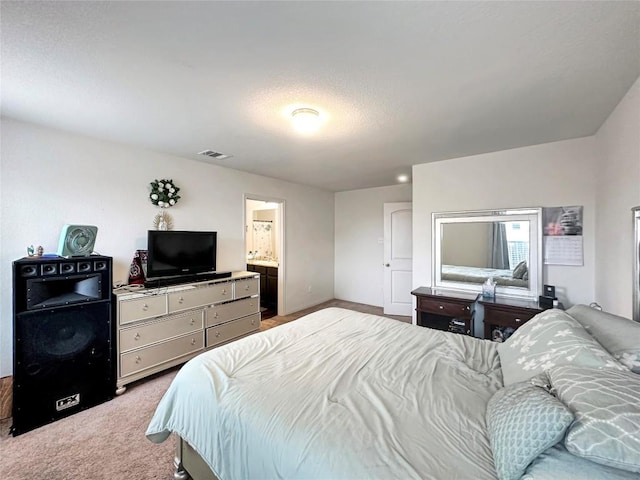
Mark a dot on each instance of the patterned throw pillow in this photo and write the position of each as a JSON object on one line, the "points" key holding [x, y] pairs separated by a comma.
{"points": [[606, 404], [523, 421], [550, 339], [520, 270], [619, 335]]}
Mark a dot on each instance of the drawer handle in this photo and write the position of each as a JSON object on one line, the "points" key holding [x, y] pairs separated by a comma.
{"points": [[224, 291], [253, 322], [467, 307], [145, 307], [246, 287], [441, 307], [137, 337], [180, 300], [217, 334], [192, 322], [193, 341], [518, 320], [215, 315], [138, 359]]}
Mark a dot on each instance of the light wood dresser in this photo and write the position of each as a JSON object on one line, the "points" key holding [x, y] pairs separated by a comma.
{"points": [[158, 328]]}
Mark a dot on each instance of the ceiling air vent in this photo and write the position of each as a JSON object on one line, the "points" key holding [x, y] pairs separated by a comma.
{"points": [[212, 154]]}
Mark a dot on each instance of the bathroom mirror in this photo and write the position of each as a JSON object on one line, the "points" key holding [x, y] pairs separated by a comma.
{"points": [[505, 245]]}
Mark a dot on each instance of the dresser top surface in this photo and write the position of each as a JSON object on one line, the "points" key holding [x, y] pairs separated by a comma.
{"points": [[134, 291]]}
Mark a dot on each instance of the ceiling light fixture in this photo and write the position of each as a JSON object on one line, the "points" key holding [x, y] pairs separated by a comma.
{"points": [[305, 120]]}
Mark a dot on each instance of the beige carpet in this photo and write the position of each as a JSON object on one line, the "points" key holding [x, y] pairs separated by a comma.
{"points": [[103, 442], [107, 441]]}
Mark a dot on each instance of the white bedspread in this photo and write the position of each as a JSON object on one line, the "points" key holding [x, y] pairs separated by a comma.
{"points": [[460, 273], [338, 395]]}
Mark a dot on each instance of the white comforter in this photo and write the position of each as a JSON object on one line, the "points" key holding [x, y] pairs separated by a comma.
{"points": [[338, 395]]}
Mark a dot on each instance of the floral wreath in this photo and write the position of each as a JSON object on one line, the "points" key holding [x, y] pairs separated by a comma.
{"points": [[164, 193]]}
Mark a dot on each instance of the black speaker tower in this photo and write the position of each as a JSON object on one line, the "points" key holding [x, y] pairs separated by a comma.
{"points": [[62, 338]]}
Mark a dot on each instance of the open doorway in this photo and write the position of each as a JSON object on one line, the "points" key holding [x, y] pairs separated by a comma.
{"points": [[264, 250]]}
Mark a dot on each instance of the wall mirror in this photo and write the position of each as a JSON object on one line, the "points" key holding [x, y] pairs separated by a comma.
{"points": [[506, 245]]}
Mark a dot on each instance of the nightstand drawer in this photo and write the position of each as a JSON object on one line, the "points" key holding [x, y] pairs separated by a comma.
{"points": [[508, 318], [444, 307]]}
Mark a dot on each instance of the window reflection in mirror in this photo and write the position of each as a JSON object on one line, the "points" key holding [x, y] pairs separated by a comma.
{"points": [[473, 246]]}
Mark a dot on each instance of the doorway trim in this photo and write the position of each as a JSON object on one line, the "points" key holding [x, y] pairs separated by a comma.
{"points": [[281, 241]]}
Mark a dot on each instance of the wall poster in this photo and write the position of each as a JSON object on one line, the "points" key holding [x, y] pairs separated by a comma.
{"points": [[563, 235]]}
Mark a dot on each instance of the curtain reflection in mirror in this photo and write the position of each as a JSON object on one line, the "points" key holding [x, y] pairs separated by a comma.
{"points": [[499, 246]]}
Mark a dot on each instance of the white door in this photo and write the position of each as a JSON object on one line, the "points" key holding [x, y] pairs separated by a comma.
{"points": [[397, 258]]}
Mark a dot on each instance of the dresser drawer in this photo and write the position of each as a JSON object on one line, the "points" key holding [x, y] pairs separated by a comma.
{"points": [[444, 307], [223, 312], [199, 296], [138, 360], [247, 287], [228, 331], [148, 306], [168, 327]]}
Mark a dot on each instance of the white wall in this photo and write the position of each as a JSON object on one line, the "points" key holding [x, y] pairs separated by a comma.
{"points": [[49, 178], [618, 190], [553, 174], [359, 231]]}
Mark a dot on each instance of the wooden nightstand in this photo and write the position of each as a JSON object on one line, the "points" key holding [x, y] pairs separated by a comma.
{"points": [[504, 314], [449, 311]]}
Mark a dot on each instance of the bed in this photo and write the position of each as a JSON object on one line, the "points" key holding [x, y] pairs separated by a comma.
{"points": [[339, 394], [461, 273]]}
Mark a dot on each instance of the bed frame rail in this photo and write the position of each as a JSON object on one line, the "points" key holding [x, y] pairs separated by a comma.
{"points": [[189, 465]]}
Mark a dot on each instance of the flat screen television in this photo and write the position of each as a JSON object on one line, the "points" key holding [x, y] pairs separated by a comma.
{"points": [[174, 253]]}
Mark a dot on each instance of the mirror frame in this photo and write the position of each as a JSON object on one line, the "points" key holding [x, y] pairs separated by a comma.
{"points": [[532, 215], [636, 263]]}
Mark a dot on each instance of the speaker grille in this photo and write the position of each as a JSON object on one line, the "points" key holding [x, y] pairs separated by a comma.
{"points": [[49, 269], [66, 268], [27, 271]]}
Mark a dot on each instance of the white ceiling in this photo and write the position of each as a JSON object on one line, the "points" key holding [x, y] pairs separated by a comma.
{"points": [[399, 83]]}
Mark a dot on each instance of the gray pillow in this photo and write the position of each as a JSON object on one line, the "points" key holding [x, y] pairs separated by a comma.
{"points": [[523, 420], [558, 464], [618, 335], [520, 269], [549, 339], [606, 404]]}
